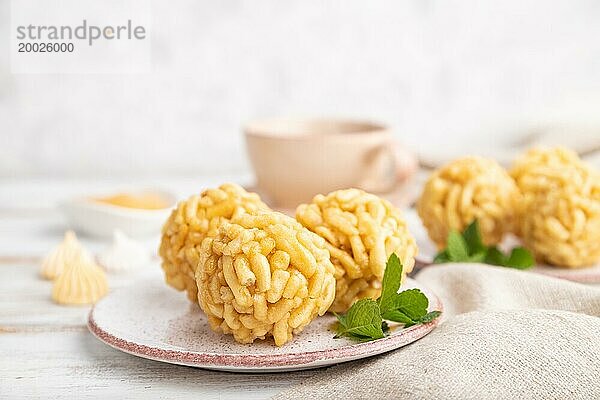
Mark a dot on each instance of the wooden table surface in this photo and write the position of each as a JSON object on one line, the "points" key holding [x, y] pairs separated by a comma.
{"points": [[46, 350]]}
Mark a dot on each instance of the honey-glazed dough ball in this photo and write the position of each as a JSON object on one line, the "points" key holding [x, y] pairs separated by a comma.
{"points": [[541, 162], [464, 190], [361, 231], [560, 215], [264, 275], [194, 219]]}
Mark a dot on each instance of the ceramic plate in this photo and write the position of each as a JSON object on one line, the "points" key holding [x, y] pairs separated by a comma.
{"points": [[427, 252], [151, 320]]}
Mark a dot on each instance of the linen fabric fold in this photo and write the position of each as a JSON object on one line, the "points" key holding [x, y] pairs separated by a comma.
{"points": [[505, 334]]}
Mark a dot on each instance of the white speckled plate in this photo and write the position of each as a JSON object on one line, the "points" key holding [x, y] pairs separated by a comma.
{"points": [[150, 320], [427, 252]]}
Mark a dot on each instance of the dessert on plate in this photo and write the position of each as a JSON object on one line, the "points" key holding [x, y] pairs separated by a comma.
{"points": [[263, 275], [361, 231], [193, 220], [468, 189], [559, 217], [257, 273]]}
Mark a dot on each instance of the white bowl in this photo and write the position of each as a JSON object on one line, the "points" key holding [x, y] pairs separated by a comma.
{"points": [[101, 219]]}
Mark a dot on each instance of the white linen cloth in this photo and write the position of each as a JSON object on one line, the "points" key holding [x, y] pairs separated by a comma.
{"points": [[506, 334]]}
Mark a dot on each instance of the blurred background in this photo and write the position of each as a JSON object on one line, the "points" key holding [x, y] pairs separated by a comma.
{"points": [[450, 77]]}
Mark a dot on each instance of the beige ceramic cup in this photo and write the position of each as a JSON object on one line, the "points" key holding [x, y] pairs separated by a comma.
{"points": [[295, 159]]}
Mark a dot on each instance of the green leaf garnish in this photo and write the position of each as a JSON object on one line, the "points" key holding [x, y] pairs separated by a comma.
{"points": [[362, 321], [441, 257], [430, 316], [472, 237], [390, 284], [468, 247], [398, 316], [365, 320], [494, 256], [457, 248], [412, 303], [410, 307], [520, 258]]}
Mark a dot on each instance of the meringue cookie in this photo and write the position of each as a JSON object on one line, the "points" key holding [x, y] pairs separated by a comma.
{"points": [[124, 255], [81, 282], [68, 251]]}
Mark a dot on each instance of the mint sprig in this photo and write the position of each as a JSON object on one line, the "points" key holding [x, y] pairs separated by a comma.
{"points": [[362, 321], [365, 320], [468, 247]]}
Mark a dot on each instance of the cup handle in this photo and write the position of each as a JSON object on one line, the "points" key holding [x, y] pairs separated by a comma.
{"points": [[390, 165]]}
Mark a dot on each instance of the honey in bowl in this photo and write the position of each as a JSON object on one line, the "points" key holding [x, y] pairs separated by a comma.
{"points": [[143, 201]]}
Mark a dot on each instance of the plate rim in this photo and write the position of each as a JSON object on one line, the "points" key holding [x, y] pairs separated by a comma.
{"points": [[296, 360]]}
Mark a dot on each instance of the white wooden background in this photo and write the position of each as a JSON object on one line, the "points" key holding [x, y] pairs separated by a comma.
{"points": [[46, 350]]}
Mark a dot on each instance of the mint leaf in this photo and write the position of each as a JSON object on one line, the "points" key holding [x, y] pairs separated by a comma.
{"points": [[520, 258], [362, 321], [399, 316], [390, 283], [441, 257], [495, 256], [430, 316], [469, 247], [412, 303], [472, 237], [409, 307], [342, 321], [477, 257], [457, 247]]}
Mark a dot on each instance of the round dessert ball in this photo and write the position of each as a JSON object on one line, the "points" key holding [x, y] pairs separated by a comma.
{"points": [[361, 231], [559, 217], [464, 190], [194, 219], [264, 275], [539, 163]]}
